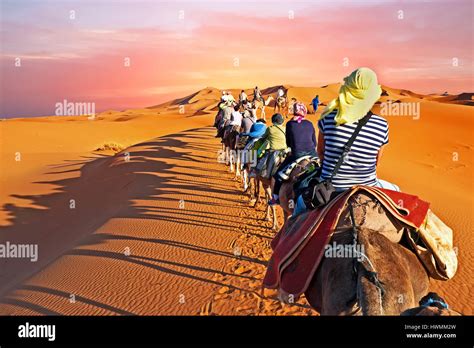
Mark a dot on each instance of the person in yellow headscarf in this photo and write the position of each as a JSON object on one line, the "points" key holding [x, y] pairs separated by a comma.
{"points": [[338, 121], [356, 98]]}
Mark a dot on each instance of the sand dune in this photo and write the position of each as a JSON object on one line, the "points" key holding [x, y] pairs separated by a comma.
{"points": [[130, 246], [462, 99]]}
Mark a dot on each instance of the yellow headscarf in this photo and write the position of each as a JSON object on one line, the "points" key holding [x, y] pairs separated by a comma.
{"points": [[356, 97]]}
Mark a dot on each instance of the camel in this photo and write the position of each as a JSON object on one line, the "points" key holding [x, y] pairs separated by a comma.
{"points": [[235, 159], [243, 166], [287, 195], [281, 104], [238, 165], [267, 187], [260, 104], [387, 280], [267, 184], [230, 142]]}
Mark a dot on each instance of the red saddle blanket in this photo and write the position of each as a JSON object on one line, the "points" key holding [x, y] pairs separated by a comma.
{"points": [[299, 246]]}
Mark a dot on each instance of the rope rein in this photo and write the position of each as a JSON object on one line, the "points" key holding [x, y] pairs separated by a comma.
{"points": [[372, 275]]}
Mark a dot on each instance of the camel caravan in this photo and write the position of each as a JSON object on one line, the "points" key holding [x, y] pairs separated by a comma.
{"points": [[353, 243]]}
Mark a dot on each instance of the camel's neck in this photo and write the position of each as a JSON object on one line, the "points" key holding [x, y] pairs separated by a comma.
{"points": [[369, 288]]}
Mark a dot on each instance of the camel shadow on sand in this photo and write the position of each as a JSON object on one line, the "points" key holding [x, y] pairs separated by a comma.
{"points": [[104, 187]]}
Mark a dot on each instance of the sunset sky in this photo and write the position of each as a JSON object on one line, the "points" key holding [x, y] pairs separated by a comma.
{"points": [[82, 58]]}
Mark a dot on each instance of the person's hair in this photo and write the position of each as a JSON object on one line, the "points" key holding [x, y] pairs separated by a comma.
{"points": [[317, 95], [242, 91], [261, 120], [236, 107], [277, 119], [293, 99]]}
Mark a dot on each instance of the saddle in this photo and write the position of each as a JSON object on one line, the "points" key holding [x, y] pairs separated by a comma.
{"points": [[299, 246], [261, 146], [242, 140], [285, 173], [268, 164], [310, 173]]}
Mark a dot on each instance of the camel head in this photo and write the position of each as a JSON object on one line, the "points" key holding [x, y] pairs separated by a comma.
{"points": [[431, 305]]}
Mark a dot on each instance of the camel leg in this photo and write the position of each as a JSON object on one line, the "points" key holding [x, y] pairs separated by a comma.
{"points": [[254, 200], [237, 166], [245, 179], [257, 190], [269, 208], [268, 195], [227, 159], [231, 160], [275, 225]]}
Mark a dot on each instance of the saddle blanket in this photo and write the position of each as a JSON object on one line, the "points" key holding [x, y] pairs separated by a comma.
{"points": [[268, 164], [285, 172], [299, 246]]}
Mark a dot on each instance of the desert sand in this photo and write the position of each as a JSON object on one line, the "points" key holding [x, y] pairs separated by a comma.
{"points": [[133, 215]]}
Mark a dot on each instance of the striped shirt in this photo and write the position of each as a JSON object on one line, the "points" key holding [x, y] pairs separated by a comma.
{"points": [[359, 166]]}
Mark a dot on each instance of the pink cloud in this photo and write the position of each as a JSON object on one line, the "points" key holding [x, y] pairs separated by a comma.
{"points": [[88, 64]]}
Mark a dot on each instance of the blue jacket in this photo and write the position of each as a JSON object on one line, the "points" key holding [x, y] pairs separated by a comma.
{"points": [[257, 130]]}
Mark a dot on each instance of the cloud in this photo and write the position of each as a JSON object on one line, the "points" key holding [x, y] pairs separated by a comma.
{"points": [[85, 59]]}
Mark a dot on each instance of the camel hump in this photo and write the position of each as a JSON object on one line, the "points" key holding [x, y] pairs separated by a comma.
{"points": [[370, 214]]}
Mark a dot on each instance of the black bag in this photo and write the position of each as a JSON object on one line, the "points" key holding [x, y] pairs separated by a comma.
{"points": [[321, 192]]}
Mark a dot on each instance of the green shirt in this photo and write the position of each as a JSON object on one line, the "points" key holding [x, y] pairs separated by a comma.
{"points": [[275, 135]]}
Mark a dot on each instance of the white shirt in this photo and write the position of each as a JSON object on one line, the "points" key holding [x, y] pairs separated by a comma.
{"points": [[243, 96], [281, 92], [236, 118]]}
